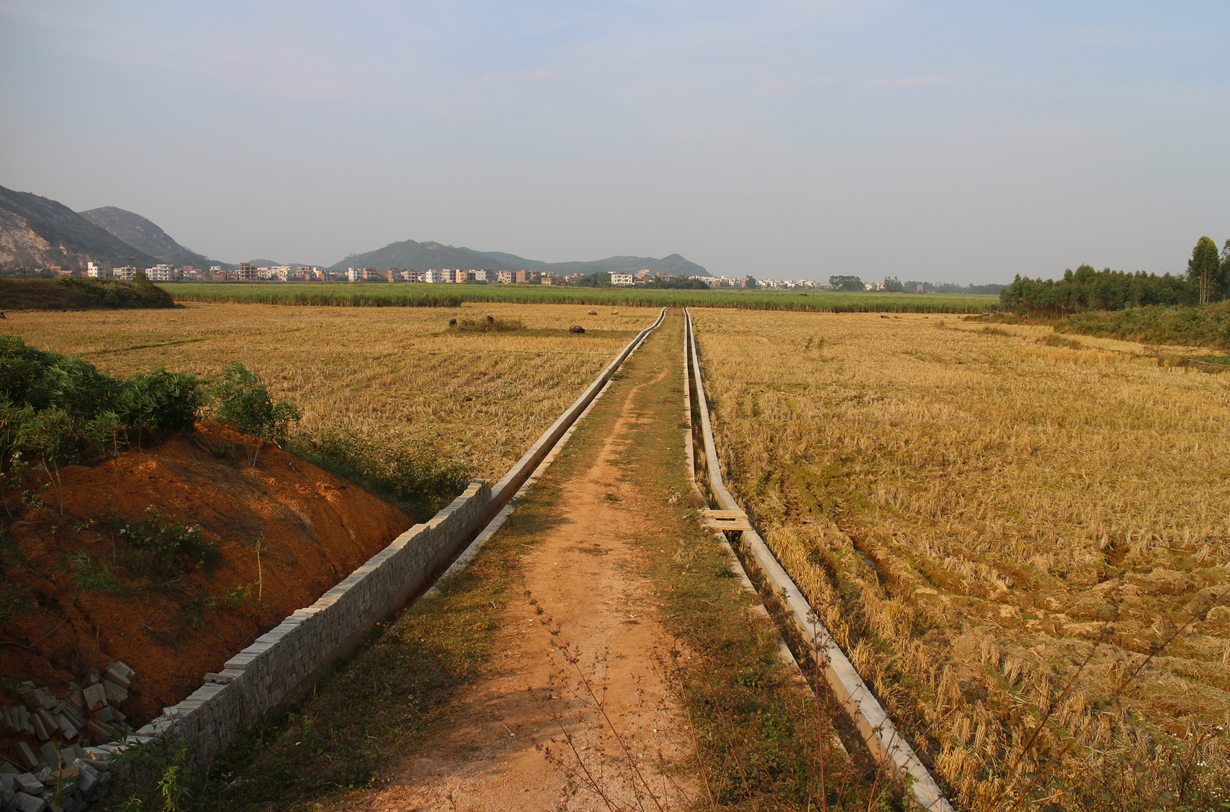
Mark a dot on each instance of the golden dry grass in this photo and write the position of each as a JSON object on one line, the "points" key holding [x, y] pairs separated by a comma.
{"points": [[969, 511], [400, 371]]}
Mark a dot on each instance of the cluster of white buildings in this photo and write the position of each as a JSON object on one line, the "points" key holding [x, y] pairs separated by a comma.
{"points": [[789, 284], [434, 276], [246, 273], [440, 276]]}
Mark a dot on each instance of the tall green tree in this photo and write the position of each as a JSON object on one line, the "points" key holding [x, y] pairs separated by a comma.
{"points": [[1225, 269], [850, 283], [1204, 268]]}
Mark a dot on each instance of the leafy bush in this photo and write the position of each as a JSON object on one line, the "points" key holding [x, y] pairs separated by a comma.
{"points": [[159, 401], [242, 402], [60, 409], [1197, 325]]}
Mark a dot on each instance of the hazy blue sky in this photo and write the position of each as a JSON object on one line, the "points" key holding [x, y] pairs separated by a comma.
{"points": [[945, 141]]}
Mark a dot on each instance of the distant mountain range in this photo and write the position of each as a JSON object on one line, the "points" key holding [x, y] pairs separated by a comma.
{"points": [[424, 255], [38, 232]]}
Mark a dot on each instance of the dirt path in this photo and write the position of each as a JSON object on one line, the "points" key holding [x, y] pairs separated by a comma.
{"points": [[577, 677]]}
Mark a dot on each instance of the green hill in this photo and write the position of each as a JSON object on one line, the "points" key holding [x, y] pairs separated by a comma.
{"points": [[424, 255]]}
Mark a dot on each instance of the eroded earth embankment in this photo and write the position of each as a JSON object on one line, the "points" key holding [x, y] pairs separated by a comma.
{"points": [[276, 534]]}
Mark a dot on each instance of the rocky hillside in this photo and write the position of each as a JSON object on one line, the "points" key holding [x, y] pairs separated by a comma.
{"points": [[36, 232], [145, 235]]}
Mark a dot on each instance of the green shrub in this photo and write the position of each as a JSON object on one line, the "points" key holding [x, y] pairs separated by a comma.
{"points": [[1195, 325], [242, 402], [156, 402], [61, 410], [76, 293]]}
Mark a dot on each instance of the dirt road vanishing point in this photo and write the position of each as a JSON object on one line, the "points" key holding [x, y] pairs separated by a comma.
{"points": [[580, 664]]}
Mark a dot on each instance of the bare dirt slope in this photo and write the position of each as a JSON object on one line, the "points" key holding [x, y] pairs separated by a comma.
{"points": [[576, 678], [313, 530]]}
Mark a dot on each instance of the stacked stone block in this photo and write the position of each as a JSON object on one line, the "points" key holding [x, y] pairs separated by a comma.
{"points": [[63, 774]]}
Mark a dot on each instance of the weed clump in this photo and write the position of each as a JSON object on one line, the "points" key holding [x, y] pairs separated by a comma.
{"points": [[488, 324], [158, 547], [1053, 340]]}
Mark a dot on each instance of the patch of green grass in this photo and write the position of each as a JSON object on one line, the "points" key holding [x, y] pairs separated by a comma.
{"points": [[415, 475], [1217, 362]]}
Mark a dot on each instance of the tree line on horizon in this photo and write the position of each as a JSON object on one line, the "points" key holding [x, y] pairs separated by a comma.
{"points": [[894, 285], [1207, 280]]}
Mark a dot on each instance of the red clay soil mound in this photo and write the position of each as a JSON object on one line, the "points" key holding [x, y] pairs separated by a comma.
{"points": [[172, 628]]}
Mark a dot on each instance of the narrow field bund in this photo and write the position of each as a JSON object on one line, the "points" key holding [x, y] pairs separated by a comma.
{"points": [[274, 670]]}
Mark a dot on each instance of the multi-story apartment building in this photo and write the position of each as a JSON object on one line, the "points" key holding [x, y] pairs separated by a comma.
{"points": [[622, 279], [94, 270]]}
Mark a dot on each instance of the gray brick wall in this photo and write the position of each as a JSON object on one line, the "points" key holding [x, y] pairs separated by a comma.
{"points": [[275, 669]]}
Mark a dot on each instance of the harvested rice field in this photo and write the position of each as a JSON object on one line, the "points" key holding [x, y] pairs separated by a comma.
{"points": [[483, 395], [1021, 542]]}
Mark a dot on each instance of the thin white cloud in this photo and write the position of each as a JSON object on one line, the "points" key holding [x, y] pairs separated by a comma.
{"points": [[788, 84], [913, 81], [1112, 38], [531, 74]]}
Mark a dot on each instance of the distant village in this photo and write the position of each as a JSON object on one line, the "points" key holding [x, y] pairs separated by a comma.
{"points": [[248, 272]]}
